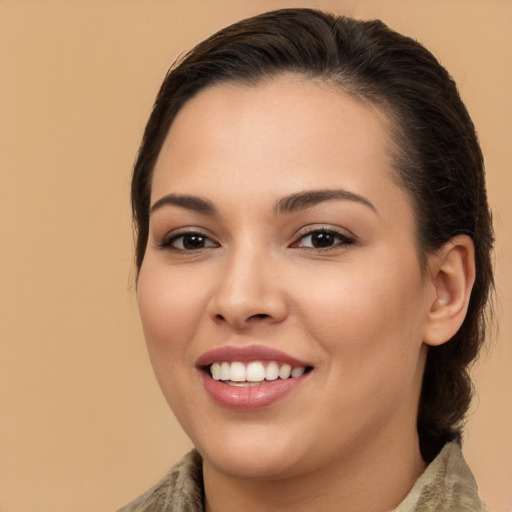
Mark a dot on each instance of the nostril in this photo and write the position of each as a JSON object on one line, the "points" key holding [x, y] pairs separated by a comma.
{"points": [[260, 315], [240, 322]]}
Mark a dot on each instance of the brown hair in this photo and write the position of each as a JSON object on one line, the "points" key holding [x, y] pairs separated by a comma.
{"points": [[437, 156]]}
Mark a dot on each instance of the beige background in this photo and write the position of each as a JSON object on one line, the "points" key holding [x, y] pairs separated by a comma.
{"points": [[82, 424]]}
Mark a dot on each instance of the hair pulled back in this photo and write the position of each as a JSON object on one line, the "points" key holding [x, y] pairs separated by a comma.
{"points": [[437, 155]]}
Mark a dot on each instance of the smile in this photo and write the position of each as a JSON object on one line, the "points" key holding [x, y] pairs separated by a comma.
{"points": [[253, 373], [251, 377]]}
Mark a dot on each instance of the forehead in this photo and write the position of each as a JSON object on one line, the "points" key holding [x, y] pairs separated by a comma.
{"points": [[287, 132]]}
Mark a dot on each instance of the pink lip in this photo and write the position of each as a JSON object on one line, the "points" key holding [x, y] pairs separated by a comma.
{"points": [[249, 397], [232, 353]]}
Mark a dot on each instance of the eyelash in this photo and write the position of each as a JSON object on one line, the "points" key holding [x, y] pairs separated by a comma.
{"points": [[342, 241], [168, 242]]}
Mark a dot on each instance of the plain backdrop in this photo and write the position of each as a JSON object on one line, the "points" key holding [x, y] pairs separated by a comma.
{"points": [[83, 426]]}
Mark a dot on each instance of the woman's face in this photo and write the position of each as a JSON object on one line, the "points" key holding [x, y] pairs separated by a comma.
{"points": [[279, 241]]}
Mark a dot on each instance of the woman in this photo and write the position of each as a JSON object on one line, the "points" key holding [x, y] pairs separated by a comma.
{"points": [[313, 254]]}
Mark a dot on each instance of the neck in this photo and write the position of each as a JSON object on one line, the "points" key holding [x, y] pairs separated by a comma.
{"points": [[375, 477]]}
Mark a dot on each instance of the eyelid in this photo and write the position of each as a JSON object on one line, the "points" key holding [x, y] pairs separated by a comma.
{"points": [[345, 239], [167, 240]]}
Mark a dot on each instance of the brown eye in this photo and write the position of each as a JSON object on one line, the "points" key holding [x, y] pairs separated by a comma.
{"points": [[191, 242], [323, 239], [188, 242]]}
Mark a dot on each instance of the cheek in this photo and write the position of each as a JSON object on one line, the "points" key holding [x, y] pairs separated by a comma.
{"points": [[365, 315], [369, 329], [170, 312]]}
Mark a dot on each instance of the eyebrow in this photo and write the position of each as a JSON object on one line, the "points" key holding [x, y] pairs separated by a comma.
{"points": [[289, 204], [304, 200], [188, 202]]}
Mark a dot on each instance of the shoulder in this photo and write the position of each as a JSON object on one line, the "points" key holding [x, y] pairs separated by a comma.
{"points": [[446, 484], [180, 490]]}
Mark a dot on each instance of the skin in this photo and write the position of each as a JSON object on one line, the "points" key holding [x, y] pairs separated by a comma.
{"points": [[359, 313]]}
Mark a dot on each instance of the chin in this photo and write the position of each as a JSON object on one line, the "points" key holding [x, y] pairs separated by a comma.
{"points": [[251, 464], [259, 456]]}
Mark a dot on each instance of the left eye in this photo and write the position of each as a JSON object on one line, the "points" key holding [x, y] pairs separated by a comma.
{"points": [[189, 242], [322, 239]]}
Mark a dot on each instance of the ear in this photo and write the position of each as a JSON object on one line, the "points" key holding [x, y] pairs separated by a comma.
{"points": [[452, 273]]}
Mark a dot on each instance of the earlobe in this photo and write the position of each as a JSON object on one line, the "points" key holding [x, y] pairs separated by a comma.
{"points": [[452, 272]]}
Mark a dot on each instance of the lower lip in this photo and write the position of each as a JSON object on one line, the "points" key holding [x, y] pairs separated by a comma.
{"points": [[251, 397]]}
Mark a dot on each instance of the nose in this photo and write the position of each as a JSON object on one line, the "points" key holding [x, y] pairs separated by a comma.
{"points": [[248, 292]]}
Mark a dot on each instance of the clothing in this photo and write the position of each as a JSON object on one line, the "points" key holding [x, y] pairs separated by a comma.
{"points": [[446, 485]]}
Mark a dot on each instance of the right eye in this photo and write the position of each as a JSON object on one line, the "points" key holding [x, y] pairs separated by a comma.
{"points": [[188, 242]]}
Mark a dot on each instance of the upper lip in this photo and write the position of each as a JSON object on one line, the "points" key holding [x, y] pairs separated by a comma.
{"points": [[245, 354]]}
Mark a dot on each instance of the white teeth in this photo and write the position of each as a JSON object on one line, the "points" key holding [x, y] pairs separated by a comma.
{"points": [[272, 371], [255, 372], [285, 371], [238, 373], [215, 369], [297, 372], [225, 372]]}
